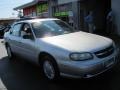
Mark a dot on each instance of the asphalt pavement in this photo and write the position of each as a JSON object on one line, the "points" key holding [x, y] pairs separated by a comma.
{"points": [[18, 74]]}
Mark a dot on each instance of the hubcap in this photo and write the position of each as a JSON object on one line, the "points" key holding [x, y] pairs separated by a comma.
{"points": [[48, 70], [9, 52]]}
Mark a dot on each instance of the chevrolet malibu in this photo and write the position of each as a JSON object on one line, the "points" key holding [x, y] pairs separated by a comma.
{"points": [[59, 49]]}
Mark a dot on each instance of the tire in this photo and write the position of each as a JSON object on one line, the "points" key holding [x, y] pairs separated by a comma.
{"points": [[50, 69], [9, 52]]}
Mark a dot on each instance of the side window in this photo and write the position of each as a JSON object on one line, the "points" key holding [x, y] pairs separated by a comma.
{"points": [[42, 30], [16, 29], [26, 30]]}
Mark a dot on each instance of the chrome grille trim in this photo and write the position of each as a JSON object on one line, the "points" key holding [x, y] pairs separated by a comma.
{"points": [[105, 52]]}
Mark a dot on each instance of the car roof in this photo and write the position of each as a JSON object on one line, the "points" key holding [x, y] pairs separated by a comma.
{"points": [[37, 20]]}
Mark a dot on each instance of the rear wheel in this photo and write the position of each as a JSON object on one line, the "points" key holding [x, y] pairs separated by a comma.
{"points": [[49, 68]]}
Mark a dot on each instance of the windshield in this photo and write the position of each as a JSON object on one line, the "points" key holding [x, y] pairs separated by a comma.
{"points": [[51, 28]]}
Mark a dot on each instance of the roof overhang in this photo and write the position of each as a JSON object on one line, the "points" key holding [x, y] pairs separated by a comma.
{"points": [[34, 2], [26, 5]]}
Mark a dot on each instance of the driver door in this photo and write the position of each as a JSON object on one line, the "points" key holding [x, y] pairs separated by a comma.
{"points": [[27, 43]]}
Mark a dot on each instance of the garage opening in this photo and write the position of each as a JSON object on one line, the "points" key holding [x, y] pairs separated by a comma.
{"points": [[101, 12]]}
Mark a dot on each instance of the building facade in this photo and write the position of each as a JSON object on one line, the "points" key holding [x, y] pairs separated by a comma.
{"points": [[34, 8], [74, 12], [29, 11], [66, 10]]}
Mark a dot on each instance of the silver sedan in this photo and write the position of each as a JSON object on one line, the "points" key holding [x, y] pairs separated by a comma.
{"points": [[59, 49]]}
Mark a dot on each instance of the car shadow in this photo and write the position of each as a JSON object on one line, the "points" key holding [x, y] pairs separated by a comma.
{"points": [[19, 75]]}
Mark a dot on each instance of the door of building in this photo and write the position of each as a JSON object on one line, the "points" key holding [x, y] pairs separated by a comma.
{"points": [[101, 11]]}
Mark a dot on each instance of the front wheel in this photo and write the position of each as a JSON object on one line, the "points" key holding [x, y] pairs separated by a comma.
{"points": [[50, 69]]}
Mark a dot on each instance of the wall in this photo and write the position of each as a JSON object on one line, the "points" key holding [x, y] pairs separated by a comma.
{"points": [[116, 12], [29, 11], [75, 14], [51, 3]]}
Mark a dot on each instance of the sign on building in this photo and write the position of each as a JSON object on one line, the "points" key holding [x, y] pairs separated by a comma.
{"points": [[42, 8]]}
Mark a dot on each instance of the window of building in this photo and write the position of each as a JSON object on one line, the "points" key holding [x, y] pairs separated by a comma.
{"points": [[62, 12], [43, 7]]}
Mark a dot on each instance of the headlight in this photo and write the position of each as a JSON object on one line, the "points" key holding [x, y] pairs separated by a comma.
{"points": [[81, 56]]}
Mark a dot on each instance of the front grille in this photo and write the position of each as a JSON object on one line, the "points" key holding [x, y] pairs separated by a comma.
{"points": [[105, 52]]}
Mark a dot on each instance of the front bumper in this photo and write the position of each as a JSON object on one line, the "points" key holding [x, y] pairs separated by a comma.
{"points": [[87, 69]]}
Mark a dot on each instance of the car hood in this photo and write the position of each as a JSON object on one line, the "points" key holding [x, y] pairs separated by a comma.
{"points": [[79, 42]]}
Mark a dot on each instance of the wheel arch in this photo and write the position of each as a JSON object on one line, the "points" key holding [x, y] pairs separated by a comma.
{"points": [[55, 64], [43, 54]]}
